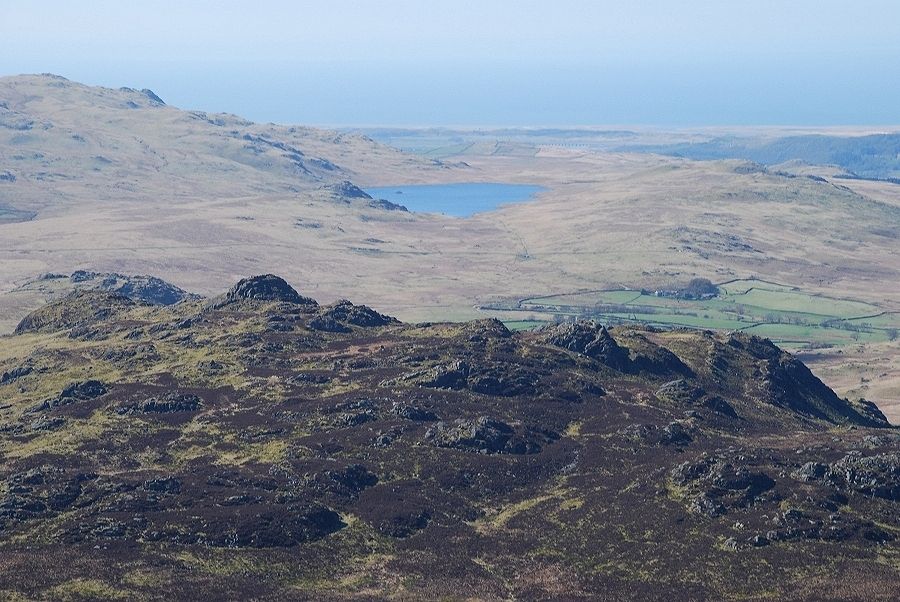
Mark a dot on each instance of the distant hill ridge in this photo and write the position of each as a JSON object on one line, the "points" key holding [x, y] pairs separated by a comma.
{"points": [[62, 141], [875, 156]]}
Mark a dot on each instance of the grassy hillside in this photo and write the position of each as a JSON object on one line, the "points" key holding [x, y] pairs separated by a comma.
{"points": [[63, 142]]}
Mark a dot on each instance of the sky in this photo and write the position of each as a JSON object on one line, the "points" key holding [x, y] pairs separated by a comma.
{"points": [[479, 63]]}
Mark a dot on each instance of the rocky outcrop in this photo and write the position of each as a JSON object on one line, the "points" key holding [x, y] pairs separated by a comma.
{"points": [[15, 374], [73, 393], [488, 435], [478, 331], [786, 382], [637, 355], [79, 309], [681, 391], [877, 475], [503, 379], [167, 404], [446, 376], [348, 190], [674, 433], [717, 485], [327, 324], [152, 96], [414, 413], [147, 289], [651, 359], [266, 288], [385, 205], [345, 312], [590, 339]]}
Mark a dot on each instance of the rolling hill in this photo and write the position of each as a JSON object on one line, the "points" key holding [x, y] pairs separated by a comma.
{"points": [[114, 181], [63, 142], [875, 156]]}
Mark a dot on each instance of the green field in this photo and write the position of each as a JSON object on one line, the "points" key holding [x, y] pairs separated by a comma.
{"points": [[779, 312], [516, 325]]}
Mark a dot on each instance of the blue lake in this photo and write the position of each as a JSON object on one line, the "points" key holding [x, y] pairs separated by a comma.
{"points": [[460, 200]]}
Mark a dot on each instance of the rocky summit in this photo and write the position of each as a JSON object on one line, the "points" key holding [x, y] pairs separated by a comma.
{"points": [[265, 288], [262, 446]]}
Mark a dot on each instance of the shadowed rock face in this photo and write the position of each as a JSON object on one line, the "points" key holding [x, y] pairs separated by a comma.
{"points": [[241, 433], [17, 372], [148, 289], [590, 339], [267, 287], [386, 205], [638, 356], [73, 393], [357, 315], [783, 380], [349, 190]]}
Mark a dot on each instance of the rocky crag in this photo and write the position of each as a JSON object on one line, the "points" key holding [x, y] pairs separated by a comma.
{"points": [[262, 445]]}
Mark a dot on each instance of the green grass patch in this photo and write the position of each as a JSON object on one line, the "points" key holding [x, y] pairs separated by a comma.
{"points": [[804, 303], [780, 312], [790, 333]]}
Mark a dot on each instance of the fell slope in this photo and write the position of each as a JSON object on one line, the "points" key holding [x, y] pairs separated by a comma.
{"points": [[61, 141], [259, 444]]}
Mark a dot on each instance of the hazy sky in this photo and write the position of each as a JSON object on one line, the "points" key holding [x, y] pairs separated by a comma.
{"points": [[490, 62]]}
